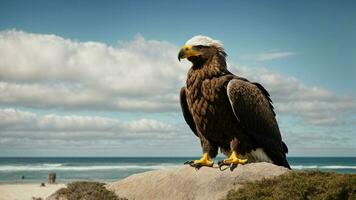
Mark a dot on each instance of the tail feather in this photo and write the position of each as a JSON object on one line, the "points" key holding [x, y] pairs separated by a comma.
{"points": [[285, 163]]}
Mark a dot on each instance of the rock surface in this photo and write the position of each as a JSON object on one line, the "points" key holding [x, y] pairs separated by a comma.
{"points": [[188, 183]]}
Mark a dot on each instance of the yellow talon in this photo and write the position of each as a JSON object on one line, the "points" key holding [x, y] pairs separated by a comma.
{"points": [[233, 159], [203, 161]]}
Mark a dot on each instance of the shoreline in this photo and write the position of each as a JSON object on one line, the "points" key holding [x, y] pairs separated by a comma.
{"points": [[34, 182], [57, 182], [25, 191]]}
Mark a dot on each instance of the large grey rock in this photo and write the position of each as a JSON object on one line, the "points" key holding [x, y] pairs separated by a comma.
{"points": [[187, 183]]}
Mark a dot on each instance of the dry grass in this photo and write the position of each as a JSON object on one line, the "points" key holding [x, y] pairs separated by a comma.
{"points": [[300, 185], [86, 191]]}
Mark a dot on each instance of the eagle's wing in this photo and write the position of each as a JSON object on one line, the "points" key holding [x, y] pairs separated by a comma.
{"points": [[253, 109], [186, 113]]}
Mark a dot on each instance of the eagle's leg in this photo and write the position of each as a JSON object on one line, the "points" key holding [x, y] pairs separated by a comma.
{"points": [[209, 151], [233, 159]]}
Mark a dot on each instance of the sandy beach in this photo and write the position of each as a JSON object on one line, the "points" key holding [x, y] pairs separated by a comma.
{"points": [[27, 191]]}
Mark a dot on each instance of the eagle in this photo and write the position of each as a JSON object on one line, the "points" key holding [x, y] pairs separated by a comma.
{"points": [[226, 111]]}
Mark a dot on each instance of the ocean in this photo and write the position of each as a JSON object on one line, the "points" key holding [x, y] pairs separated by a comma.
{"points": [[36, 169]]}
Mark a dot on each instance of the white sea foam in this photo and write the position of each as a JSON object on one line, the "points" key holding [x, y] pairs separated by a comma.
{"points": [[304, 167], [53, 164], [338, 167], [61, 167]]}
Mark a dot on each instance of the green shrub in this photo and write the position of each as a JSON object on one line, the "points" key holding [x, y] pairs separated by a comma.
{"points": [[300, 185], [86, 191]]}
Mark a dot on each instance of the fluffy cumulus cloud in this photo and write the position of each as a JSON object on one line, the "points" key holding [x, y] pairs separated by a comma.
{"points": [[314, 105], [28, 133], [17, 121], [39, 71]]}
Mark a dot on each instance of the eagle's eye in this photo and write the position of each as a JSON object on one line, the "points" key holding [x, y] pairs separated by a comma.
{"points": [[199, 46]]}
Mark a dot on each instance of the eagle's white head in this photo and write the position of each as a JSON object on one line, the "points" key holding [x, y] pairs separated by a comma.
{"points": [[200, 49], [201, 40]]}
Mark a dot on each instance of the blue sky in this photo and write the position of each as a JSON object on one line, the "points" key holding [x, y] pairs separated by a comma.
{"points": [[291, 47]]}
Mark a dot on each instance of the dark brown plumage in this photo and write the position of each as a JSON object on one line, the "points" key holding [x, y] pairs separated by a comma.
{"points": [[228, 112]]}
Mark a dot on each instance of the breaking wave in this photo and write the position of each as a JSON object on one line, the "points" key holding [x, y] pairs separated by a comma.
{"points": [[62, 167]]}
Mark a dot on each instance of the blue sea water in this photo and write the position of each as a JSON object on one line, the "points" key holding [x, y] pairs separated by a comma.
{"points": [[112, 169]]}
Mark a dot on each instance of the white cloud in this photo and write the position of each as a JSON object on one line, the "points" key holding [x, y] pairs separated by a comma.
{"points": [[11, 118], [27, 133], [37, 69], [275, 55], [314, 105], [30, 125], [47, 71]]}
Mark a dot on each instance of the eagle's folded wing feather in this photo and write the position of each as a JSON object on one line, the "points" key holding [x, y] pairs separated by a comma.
{"points": [[252, 107], [186, 113]]}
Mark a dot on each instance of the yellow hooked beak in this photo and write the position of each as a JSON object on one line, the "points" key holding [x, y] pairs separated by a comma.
{"points": [[188, 51]]}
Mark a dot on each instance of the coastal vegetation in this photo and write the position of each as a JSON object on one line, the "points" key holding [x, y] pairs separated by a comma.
{"points": [[86, 190], [299, 185], [254, 181]]}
